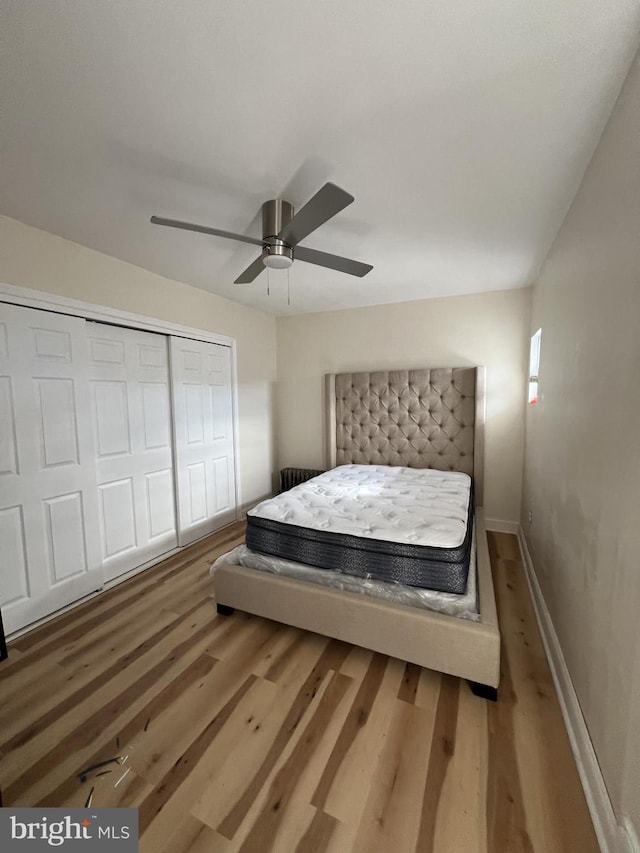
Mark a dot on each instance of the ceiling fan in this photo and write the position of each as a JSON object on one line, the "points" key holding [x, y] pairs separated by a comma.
{"points": [[282, 232]]}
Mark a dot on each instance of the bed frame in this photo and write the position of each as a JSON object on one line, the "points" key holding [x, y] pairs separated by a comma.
{"points": [[432, 418]]}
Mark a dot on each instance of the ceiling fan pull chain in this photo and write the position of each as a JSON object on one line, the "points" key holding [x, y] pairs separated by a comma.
{"points": [[288, 287], [268, 282]]}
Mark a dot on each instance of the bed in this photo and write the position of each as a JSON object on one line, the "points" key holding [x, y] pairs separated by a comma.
{"points": [[404, 419]]}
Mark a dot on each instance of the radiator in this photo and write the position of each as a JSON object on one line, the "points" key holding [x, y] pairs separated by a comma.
{"points": [[290, 477]]}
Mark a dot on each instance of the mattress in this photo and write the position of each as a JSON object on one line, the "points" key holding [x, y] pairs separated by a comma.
{"points": [[462, 606], [392, 524]]}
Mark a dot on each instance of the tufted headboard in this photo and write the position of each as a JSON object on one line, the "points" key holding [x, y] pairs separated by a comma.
{"points": [[430, 418]]}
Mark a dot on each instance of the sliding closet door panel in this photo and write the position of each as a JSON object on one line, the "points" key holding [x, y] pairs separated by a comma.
{"points": [[49, 531], [201, 377], [130, 398]]}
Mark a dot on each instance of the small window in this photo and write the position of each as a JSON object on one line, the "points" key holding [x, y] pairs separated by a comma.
{"points": [[534, 366]]}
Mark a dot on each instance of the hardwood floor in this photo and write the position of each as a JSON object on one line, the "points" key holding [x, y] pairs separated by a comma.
{"points": [[240, 734]]}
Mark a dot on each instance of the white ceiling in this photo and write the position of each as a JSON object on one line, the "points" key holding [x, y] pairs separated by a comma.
{"points": [[462, 129]]}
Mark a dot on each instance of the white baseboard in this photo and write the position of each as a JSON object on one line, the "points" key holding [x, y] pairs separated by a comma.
{"points": [[500, 526], [612, 837]]}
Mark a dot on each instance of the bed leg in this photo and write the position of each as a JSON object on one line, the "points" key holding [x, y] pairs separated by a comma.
{"points": [[225, 610], [484, 691]]}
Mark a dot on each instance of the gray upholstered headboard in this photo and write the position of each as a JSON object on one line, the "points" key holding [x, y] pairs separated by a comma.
{"points": [[431, 418]]}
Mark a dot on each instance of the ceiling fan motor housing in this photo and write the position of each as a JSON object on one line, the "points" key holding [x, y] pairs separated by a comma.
{"points": [[275, 215]]}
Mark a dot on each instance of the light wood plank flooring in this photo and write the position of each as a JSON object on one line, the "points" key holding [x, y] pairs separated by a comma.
{"points": [[240, 734]]}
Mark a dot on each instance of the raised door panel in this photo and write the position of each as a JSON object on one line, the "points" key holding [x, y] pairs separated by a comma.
{"points": [[117, 514], [57, 420], [66, 538], [15, 583], [130, 389], [194, 413], [161, 504], [197, 508], [156, 415], [111, 413], [205, 462], [8, 453], [48, 497]]}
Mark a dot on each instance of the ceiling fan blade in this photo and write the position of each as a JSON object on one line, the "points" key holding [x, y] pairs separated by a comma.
{"points": [[325, 203], [332, 262], [204, 229], [252, 271]]}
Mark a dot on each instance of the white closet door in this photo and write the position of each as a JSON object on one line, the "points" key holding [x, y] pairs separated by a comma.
{"points": [[49, 539], [201, 379], [130, 398]]}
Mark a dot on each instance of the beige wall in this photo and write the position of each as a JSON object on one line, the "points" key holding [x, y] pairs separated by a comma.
{"points": [[489, 329], [38, 260], [582, 466]]}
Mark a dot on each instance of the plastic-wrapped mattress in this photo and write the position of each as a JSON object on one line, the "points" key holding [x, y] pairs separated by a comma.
{"points": [[405, 525]]}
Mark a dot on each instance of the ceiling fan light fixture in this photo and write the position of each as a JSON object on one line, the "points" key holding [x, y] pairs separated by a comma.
{"points": [[277, 257], [277, 262]]}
